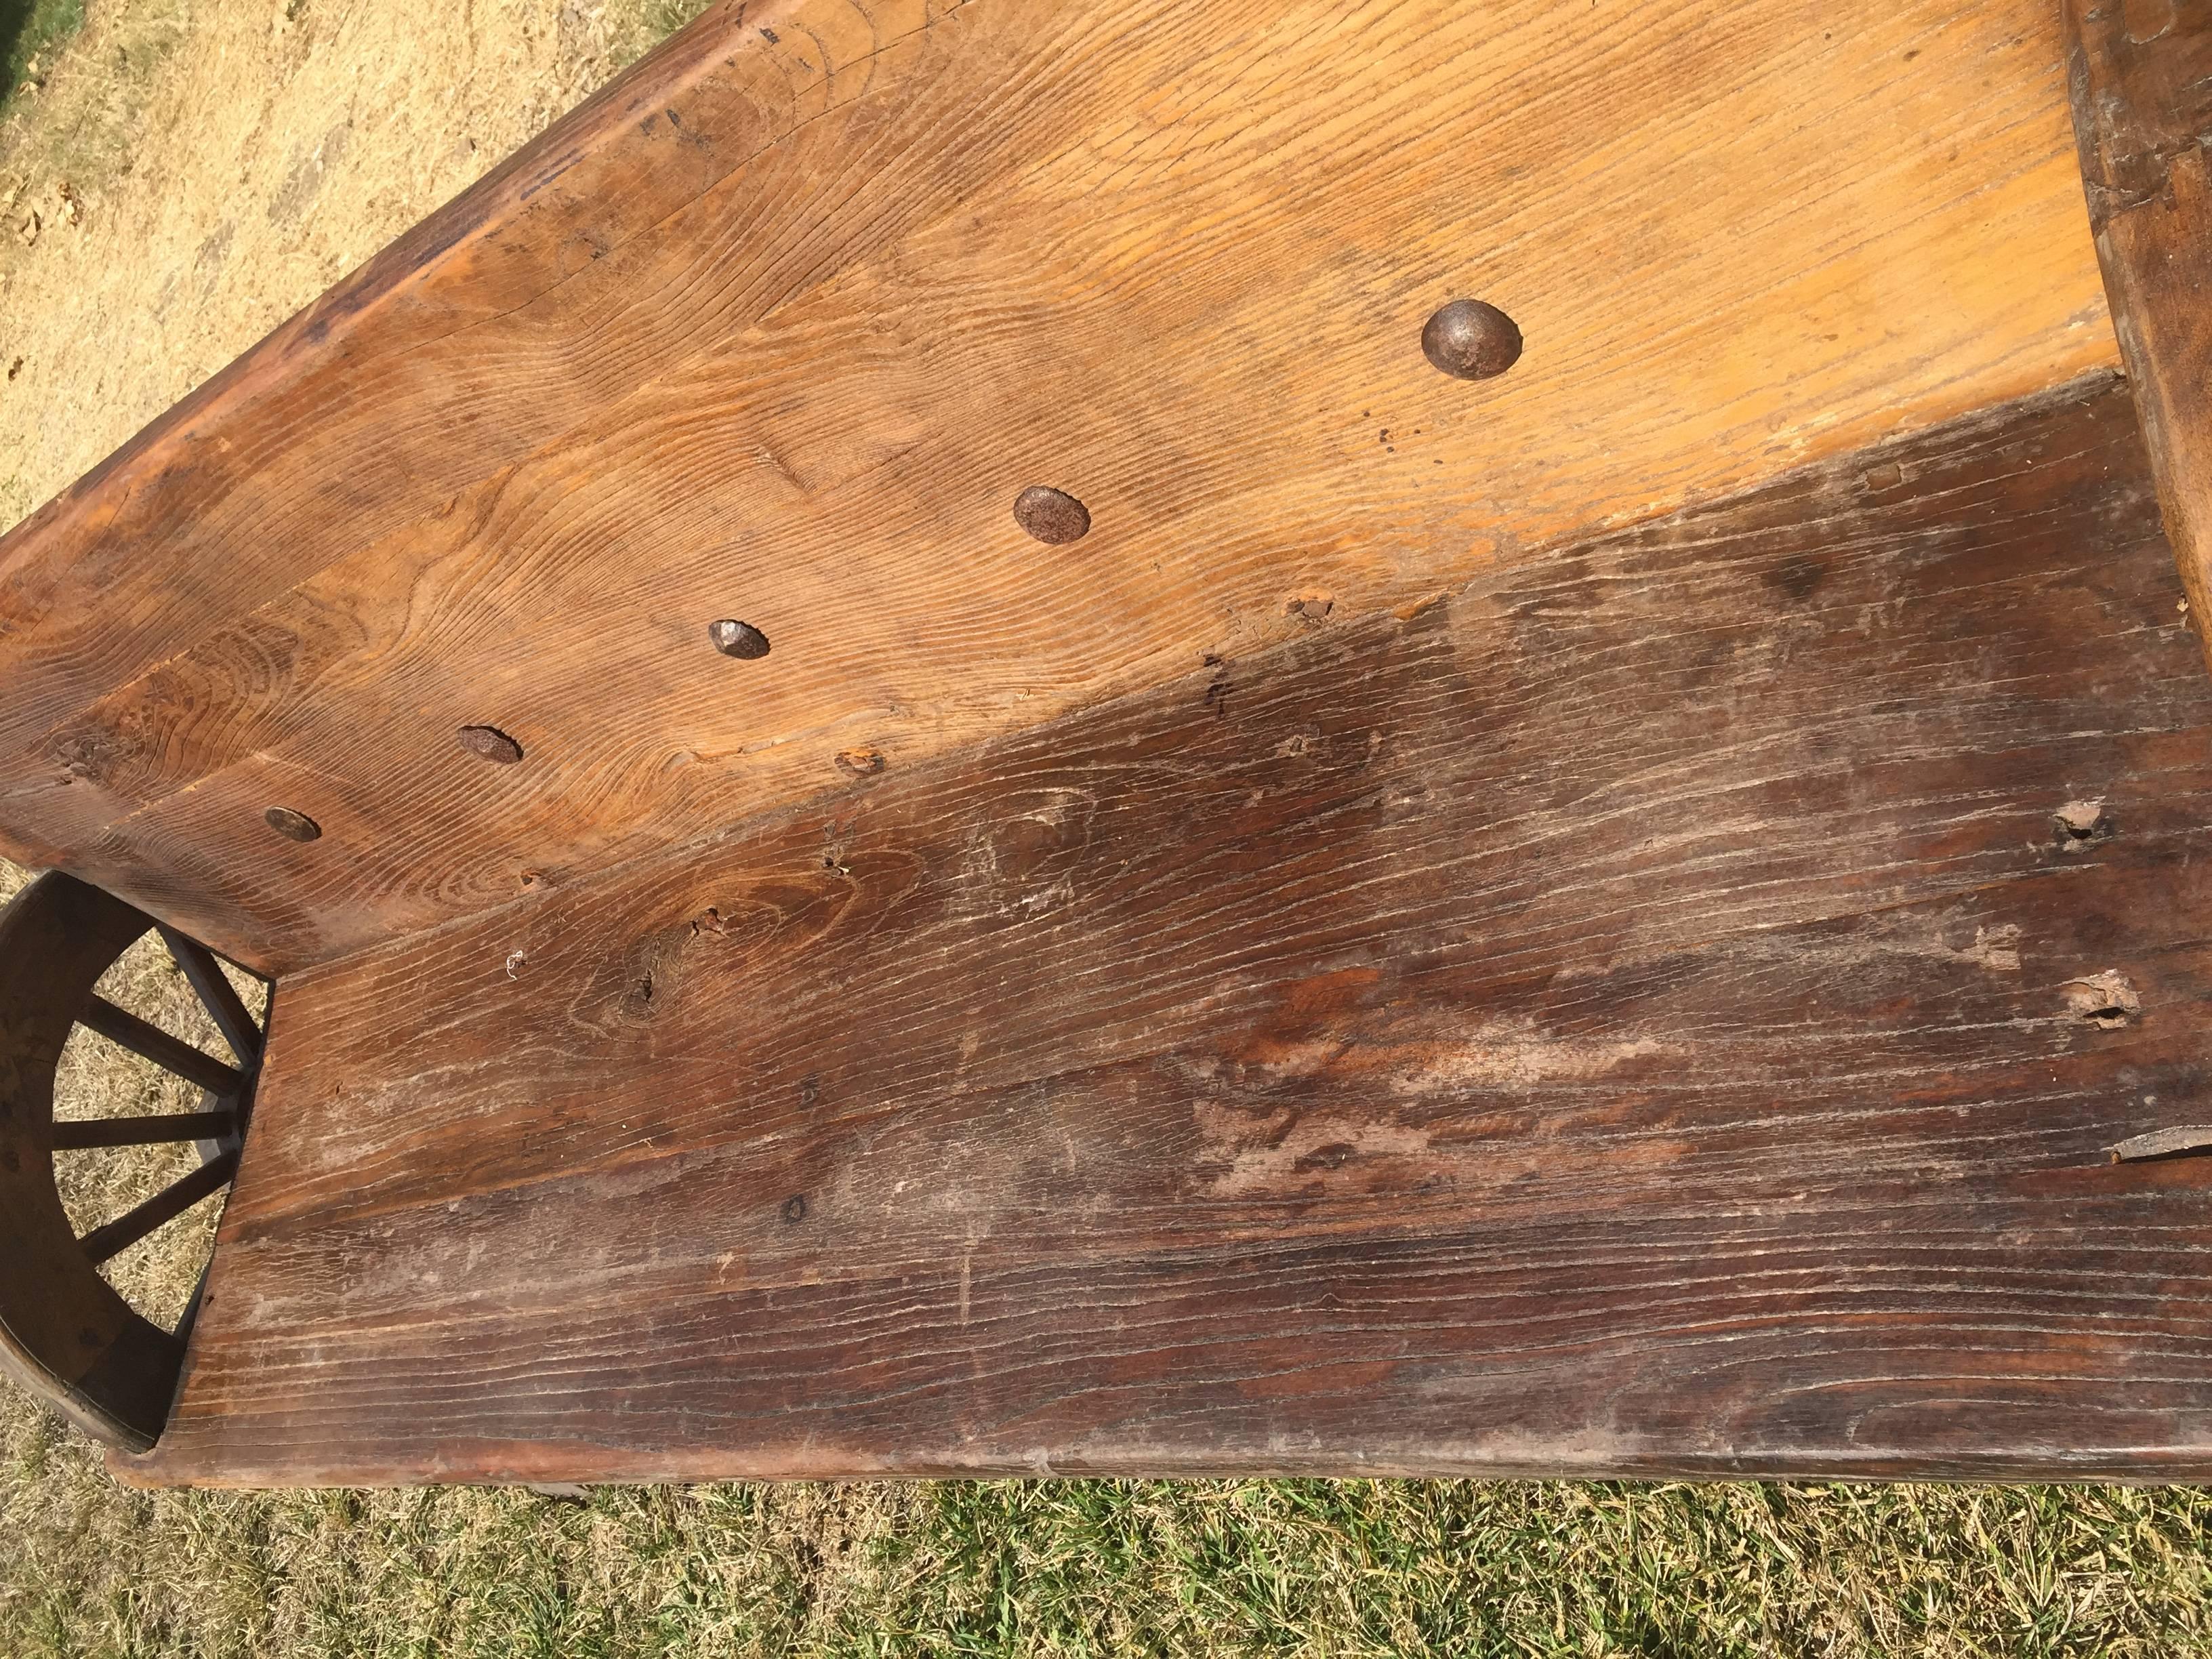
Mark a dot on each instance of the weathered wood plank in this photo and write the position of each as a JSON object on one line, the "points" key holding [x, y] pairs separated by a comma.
{"points": [[777, 328], [1664, 1006], [2141, 75]]}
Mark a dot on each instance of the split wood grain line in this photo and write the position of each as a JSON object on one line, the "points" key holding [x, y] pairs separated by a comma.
{"points": [[833, 457], [1613, 1021], [2141, 75]]}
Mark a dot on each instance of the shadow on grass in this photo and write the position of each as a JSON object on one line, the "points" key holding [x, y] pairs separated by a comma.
{"points": [[32, 28]]}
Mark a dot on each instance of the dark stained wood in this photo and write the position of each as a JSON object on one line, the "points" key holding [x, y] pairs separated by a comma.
{"points": [[120, 1026], [113, 1238], [1667, 1006], [2141, 77], [217, 995], [79, 1135], [66, 1336], [778, 328]]}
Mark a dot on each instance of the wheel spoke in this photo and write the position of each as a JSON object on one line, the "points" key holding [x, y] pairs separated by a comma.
{"points": [[73, 1135], [217, 995], [165, 1207], [170, 1054]]}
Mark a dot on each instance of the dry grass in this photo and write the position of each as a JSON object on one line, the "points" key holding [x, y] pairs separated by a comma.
{"points": [[233, 156], [225, 161]]}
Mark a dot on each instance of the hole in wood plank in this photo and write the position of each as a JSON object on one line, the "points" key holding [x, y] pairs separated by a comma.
{"points": [[794, 1209], [862, 763], [2079, 823], [489, 742], [2106, 1000], [2189, 1140]]}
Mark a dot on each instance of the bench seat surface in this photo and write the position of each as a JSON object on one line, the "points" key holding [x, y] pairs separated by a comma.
{"points": [[1664, 1006]]}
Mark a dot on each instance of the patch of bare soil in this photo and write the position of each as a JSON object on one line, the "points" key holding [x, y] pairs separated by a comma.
{"points": [[194, 171]]}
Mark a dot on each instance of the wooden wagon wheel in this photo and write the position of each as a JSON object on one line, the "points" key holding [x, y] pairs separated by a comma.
{"points": [[65, 1333]]}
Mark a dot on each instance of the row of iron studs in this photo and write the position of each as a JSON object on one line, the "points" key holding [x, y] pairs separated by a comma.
{"points": [[1467, 339]]}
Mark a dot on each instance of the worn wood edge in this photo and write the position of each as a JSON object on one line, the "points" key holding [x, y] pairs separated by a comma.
{"points": [[1514, 1458], [2142, 120], [2178, 1141]]}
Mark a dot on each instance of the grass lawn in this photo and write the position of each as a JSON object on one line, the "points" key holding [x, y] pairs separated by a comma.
{"points": [[207, 220], [1099, 1567], [29, 29]]}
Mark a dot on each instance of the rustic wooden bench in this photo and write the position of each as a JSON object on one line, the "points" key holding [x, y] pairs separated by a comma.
{"points": [[1167, 737]]}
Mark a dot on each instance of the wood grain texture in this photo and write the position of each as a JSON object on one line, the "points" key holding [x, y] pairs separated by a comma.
{"points": [[777, 328], [1664, 1006], [2141, 77]]}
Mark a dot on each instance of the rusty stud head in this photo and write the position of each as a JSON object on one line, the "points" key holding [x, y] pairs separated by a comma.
{"points": [[489, 742], [1471, 341], [293, 826], [735, 639], [1052, 515]]}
